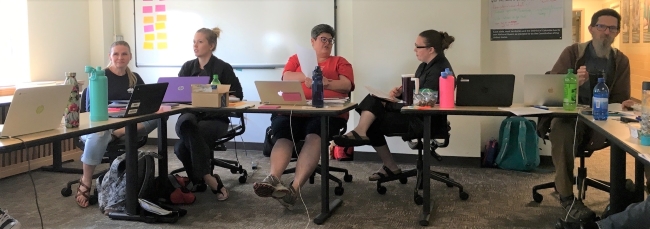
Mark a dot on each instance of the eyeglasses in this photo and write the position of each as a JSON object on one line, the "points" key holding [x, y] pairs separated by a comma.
{"points": [[326, 40], [421, 47], [612, 29]]}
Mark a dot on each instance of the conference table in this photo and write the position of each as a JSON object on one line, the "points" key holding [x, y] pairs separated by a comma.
{"points": [[427, 112], [618, 135]]}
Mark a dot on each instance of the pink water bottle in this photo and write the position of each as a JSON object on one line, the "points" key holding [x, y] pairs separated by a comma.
{"points": [[447, 86]]}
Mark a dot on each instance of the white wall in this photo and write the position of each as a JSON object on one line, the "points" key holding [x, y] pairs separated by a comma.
{"points": [[59, 38]]}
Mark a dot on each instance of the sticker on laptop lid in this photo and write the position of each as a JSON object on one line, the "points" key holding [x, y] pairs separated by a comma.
{"points": [[291, 96], [133, 111], [201, 88]]}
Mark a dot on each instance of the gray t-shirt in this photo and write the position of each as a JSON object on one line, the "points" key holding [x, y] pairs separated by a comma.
{"points": [[595, 66]]}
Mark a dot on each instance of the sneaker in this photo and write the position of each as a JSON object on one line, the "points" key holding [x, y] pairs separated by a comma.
{"points": [[289, 199], [8, 222], [577, 210], [271, 186]]}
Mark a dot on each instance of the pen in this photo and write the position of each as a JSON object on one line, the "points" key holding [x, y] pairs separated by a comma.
{"points": [[541, 107]]}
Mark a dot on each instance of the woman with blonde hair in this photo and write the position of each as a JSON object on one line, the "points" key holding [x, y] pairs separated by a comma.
{"points": [[121, 81], [198, 131]]}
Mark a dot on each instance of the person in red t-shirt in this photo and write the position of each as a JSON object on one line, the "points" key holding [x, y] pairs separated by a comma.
{"points": [[338, 82]]}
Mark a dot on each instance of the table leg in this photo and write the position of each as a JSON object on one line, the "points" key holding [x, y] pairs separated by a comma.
{"points": [[426, 173], [639, 175], [327, 208], [57, 161], [131, 169], [162, 148], [617, 179]]}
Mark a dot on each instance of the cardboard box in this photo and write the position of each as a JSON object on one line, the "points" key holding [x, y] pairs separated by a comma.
{"points": [[204, 96]]}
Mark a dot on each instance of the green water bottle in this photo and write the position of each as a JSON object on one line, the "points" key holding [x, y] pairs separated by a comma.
{"points": [[215, 81], [570, 91]]}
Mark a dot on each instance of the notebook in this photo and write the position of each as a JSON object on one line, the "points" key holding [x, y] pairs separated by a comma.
{"points": [[36, 109], [145, 99], [180, 89]]}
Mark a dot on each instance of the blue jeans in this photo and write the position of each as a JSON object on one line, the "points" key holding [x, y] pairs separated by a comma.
{"points": [[95, 144], [636, 215]]}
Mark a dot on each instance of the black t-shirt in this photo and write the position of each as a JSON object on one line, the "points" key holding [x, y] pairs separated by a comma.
{"points": [[214, 66], [118, 87]]}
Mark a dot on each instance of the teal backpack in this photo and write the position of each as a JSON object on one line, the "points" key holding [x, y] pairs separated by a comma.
{"points": [[518, 140]]}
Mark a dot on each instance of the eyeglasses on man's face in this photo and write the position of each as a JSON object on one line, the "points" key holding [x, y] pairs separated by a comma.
{"points": [[327, 40], [601, 27]]}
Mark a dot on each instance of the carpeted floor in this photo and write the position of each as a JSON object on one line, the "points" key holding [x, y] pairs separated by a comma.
{"points": [[498, 199]]}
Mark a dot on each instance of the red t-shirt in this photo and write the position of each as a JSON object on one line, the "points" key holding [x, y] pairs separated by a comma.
{"points": [[332, 68]]}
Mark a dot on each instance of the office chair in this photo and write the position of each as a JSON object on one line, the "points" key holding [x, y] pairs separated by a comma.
{"points": [[347, 177], [234, 166], [417, 144], [113, 150]]}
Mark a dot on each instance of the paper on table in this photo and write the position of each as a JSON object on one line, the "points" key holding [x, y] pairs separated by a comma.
{"points": [[519, 111], [379, 94], [307, 60]]}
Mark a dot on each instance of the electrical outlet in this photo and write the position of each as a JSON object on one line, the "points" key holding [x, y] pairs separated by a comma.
{"points": [[119, 38]]}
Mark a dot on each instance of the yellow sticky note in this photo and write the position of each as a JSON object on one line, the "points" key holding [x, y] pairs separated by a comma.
{"points": [[149, 37], [161, 18], [161, 36], [148, 19], [160, 26], [162, 45], [148, 45]]}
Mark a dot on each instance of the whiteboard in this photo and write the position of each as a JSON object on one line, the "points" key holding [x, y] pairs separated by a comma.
{"points": [[526, 14], [255, 33]]}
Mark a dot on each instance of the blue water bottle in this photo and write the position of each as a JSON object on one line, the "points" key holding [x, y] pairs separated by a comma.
{"points": [[317, 95], [600, 100], [98, 94]]}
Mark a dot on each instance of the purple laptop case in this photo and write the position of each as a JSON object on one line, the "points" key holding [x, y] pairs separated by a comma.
{"points": [[180, 89]]}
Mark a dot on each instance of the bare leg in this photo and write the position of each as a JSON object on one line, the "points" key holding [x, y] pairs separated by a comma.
{"points": [[214, 184], [386, 158], [281, 156], [86, 179], [365, 121], [307, 160]]}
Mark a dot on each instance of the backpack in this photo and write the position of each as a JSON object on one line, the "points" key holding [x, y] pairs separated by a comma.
{"points": [[111, 189], [174, 189], [519, 145], [489, 154], [341, 153]]}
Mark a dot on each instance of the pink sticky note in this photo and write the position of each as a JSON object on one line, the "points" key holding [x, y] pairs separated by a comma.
{"points": [[148, 28], [147, 0], [160, 8], [147, 9]]}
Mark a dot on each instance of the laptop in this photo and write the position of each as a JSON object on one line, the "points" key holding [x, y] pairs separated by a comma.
{"points": [[36, 109], [544, 90], [180, 89], [492, 90], [281, 92], [145, 99]]}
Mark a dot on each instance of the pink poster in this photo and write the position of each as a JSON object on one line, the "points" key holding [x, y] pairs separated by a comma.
{"points": [[147, 9]]}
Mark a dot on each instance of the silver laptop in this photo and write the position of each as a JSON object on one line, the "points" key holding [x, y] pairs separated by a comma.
{"points": [[35, 109], [544, 90], [281, 92]]}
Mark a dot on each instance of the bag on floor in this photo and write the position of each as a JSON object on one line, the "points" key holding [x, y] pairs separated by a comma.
{"points": [[341, 153], [489, 154], [174, 189], [519, 145]]}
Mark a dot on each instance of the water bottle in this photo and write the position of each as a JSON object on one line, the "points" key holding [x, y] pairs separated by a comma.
{"points": [[644, 134], [215, 81], [98, 94], [447, 85], [317, 95], [72, 108], [570, 91], [600, 102]]}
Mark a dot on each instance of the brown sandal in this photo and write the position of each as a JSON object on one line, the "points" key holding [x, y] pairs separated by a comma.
{"points": [[376, 176], [85, 194], [224, 193]]}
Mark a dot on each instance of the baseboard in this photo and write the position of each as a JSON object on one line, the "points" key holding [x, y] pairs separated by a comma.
{"points": [[372, 156], [37, 163]]}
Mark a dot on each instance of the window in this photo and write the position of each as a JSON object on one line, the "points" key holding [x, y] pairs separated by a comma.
{"points": [[14, 42]]}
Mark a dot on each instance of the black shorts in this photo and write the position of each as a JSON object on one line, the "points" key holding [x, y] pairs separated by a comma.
{"points": [[302, 126]]}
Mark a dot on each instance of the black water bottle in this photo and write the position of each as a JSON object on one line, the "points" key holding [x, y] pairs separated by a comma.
{"points": [[317, 95]]}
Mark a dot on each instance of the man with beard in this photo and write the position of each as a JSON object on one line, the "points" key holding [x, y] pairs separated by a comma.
{"points": [[591, 59]]}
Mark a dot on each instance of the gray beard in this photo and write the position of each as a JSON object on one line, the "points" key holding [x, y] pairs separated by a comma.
{"points": [[602, 50]]}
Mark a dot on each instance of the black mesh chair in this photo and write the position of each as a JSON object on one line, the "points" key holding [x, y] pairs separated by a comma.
{"points": [[437, 141]]}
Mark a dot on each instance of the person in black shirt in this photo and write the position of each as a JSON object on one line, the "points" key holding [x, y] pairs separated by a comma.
{"points": [[379, 117], [121, 81], [198, 131]]}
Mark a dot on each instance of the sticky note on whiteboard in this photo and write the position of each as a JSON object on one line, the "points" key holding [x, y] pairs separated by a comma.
{"points": [[162, 45], [147, 9], [149, 37], [160, 8], [148, 20], [161, 36], [161, 18], [148, 45], [148, 28], [160, 26]]}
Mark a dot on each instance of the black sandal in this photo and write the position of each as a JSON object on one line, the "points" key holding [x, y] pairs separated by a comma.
{"points": [[351, 141], [376, 176], [220, 186]]}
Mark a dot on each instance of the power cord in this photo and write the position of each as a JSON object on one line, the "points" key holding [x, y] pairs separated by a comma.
{"points": [[293, 140], [29, 172], [575, 134]]}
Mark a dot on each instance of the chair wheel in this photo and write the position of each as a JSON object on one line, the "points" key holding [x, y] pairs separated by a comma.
{"points": [[347, 178], [449, 185], [403, 180], [66, 192], [418, 199], [538, 197], [381, 190], [464, 195], [234, 171], [338, 191], [242, 179]]}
